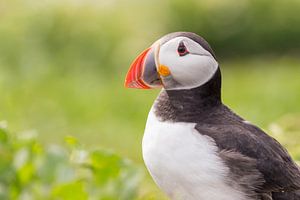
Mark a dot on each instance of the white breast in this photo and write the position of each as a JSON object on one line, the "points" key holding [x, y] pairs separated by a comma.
{"points": [[184, 163]]}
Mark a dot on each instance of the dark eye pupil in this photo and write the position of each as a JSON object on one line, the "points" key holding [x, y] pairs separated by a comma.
{"points": [[182, 51]]}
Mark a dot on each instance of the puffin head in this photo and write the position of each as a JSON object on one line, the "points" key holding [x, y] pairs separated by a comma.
{"points": [[177, 61]]}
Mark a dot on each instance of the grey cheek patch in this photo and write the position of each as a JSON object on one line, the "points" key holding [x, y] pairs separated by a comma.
{"points": [[170, 83]]}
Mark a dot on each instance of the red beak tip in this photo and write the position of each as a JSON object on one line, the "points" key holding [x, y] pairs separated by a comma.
{"points": [[134, 75], [127, 85]]}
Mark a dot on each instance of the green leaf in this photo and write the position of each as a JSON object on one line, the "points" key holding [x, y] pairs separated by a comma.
{"points": [[30, 170], [71, 141], [26, 173], [105, 166], [3, 135], [70, 191]]}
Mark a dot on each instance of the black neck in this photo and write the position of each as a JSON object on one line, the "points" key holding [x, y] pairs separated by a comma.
{"points": [[191, 104]]}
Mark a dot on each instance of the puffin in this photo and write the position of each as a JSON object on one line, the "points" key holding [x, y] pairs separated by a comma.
{"points": [[194, 146]]}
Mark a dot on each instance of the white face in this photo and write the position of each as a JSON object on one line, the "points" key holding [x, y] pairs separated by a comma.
{"points": [[188, 69]]}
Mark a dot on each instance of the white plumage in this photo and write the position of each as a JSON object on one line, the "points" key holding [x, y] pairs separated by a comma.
{"points": [[184, 163], [192, 70]]}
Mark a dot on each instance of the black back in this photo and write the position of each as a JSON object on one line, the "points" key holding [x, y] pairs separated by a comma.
{"points": [[203, 106]]}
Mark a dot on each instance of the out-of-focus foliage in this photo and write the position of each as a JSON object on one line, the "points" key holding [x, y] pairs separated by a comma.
{"points": [[29, 170], [241, 28], [103, 35], [62, 67], [36, 36]]}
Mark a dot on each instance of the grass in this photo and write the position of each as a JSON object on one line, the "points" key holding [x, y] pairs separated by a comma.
{"points": [[97, 109]]}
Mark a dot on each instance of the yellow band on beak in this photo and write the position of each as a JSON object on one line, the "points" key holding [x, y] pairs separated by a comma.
{"points": [[164, 70]]}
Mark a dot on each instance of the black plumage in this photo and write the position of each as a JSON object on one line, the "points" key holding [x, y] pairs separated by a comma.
{"points": [[258, 163]]}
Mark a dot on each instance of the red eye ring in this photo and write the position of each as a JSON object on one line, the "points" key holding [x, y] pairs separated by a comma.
{"points": [[182, 50]]}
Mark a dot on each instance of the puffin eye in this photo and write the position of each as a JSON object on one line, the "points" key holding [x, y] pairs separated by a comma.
{"points": [[182, 51]]}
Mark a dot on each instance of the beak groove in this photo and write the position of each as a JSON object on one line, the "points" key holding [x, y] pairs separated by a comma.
{"points": [[143, 73], [134, 75]]}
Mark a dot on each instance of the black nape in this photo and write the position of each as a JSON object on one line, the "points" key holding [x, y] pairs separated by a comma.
{"points": [[187, 104]]}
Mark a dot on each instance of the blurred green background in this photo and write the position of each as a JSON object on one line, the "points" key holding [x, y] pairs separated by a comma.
{"points": [[62, 68]]}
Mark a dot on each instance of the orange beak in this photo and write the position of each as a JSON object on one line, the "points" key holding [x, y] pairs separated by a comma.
{"points": [[142, 73]]}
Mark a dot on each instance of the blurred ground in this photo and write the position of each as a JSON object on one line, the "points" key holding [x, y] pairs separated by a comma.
{"points": [[63, 63]]}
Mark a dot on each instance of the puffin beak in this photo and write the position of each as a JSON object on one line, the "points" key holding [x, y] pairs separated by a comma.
{"points": [[142, 73]]}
